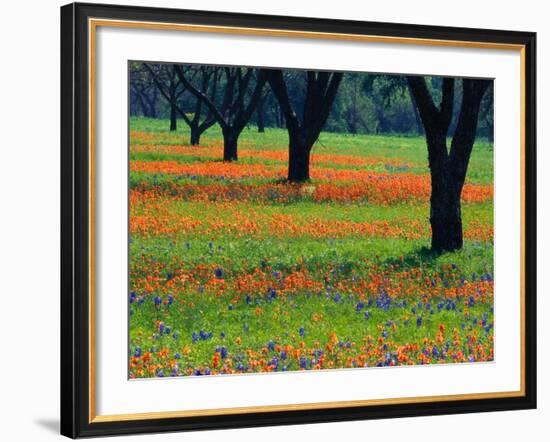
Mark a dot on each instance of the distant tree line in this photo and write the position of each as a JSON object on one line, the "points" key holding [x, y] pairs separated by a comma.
{"points": [[365, 103], [307, 102]]}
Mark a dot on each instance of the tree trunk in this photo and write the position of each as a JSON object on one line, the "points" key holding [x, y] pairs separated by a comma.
{"points": [[230, 136], [448, 169], [173, 118], [195, 135], [445, 209], [298, 158], [260, 117]]}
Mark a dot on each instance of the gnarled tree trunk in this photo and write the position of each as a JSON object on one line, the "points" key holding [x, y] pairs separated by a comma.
{"points": [[298, 157], [230, 137], [321, 88], [448, 168], [173, 117]]}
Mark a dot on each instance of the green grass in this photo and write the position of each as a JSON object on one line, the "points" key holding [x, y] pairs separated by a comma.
{"points": [[205, 273], [409, 149]]}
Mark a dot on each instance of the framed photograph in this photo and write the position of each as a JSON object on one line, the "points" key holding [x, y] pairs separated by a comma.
{"points": [[275, 220]]}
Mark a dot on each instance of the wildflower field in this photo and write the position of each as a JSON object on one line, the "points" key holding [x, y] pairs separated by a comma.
{"points": [[232, 270]]}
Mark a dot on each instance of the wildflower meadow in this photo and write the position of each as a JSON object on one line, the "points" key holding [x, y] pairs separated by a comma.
{"points": [[236, 270]]}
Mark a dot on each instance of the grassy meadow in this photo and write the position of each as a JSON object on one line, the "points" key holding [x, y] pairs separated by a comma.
{"points": [[232, 270]]}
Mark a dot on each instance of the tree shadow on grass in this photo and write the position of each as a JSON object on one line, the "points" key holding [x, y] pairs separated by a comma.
{"points": [[416, 258]]}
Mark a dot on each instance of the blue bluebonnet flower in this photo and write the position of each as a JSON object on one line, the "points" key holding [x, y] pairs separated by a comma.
{"points": [[219, 273], [367, 314], [272, 293], [223, 352], [301, 331], [271, 345], [170, 299], [132, 297], [419, 321], [137, 352], [158, 301]]}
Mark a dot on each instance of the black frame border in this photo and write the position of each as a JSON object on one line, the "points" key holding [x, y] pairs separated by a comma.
{"points": [[75, 220]]}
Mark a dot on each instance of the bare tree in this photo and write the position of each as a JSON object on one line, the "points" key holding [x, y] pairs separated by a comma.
{"points": [[448, 167], [242, 89], [170, 86], [320, 92], [143, 91]]}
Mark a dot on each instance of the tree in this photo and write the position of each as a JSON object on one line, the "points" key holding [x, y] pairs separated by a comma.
{"points": [[143, 92], [260, 113], [166, 79], [234, 111], [448, 167], [320, 92]]}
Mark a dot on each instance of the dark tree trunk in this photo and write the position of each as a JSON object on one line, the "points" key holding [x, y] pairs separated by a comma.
{"points": [[298, 157], [173, 117], [195, 137], [417, 119], [321, 88], [260, 116], [445, 217], [448, 168], [234, 113], [445, 210], [230, 137]]}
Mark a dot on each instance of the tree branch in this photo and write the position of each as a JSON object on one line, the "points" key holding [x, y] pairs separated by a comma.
{"points": [[201, 96], [166, 95], [278, 86]]}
